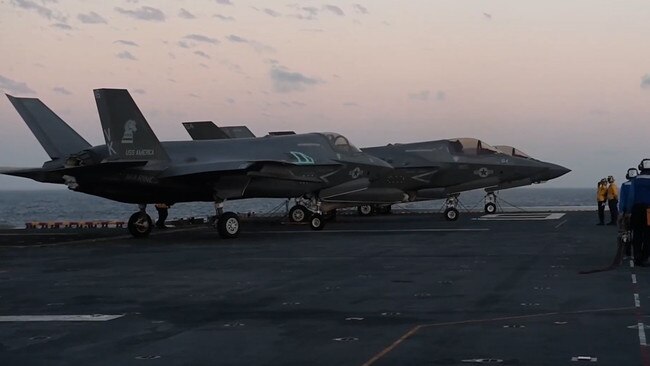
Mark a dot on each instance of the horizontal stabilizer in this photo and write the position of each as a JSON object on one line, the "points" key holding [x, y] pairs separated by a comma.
{"points": [[237, 132], [57, 137], [128, 135], [204, 130]]}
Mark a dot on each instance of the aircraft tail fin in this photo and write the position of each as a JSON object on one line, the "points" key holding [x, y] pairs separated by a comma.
{"points": [[204, 130], [128, 135], [57, 137], [238, 132]]}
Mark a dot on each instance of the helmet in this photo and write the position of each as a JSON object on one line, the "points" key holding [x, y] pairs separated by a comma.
{"points": [[645, 164], [631, 173], [610, 179]]}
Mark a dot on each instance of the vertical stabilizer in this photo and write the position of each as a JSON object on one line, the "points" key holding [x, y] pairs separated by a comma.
{"points": [[204, 130], [57, 138], [128, 135]]}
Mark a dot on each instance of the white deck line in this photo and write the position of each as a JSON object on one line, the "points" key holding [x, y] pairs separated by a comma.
{"points": [[59, 318]]}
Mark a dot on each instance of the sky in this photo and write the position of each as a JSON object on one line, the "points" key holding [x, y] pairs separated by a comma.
{"points": [[564, 81]]}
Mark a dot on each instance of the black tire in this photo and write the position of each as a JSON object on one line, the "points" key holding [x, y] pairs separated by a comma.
{"points": [[317, 222], [365, 210], [228, 225], [451, 214], [490, 208], [298, 213], [384, 210], [140, 225]]}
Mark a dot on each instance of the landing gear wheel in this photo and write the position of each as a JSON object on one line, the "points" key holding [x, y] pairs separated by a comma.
{"points": [[228, 225], [298, 213], [317, 222], [365, 210], [140, 225], [490, 208], [384, 210], [451, 214]]}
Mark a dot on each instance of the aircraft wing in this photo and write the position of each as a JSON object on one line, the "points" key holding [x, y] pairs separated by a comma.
{"points": [[261, 169]]}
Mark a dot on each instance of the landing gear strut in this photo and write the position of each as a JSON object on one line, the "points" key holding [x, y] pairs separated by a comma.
{"points": [[140, 223], [490, 203], [309, 209], [227, 223], [451, 212]]}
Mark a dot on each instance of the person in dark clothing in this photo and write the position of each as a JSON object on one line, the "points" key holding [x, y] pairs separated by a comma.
{"points": [[163, 211], [639, 200]]}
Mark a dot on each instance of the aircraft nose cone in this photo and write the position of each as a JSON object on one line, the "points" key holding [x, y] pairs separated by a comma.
{"points": [[556, 171]]}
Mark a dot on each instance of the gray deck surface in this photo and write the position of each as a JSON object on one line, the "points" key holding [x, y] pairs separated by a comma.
{"points": [[383, 290]]}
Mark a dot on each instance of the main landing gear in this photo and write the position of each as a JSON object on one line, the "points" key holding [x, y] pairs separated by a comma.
{"points": [[227, 223], [451, 212], [490, 203], [309, 210], [140, 223]]}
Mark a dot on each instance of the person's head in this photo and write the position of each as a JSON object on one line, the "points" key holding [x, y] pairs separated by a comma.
{"points": [[610, 179], [644, 166], [631, 173], [602, 181]]}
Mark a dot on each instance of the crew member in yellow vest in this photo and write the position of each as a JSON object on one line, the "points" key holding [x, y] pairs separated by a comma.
{"points": [[601, 199], [162, 215], [612, 200]]}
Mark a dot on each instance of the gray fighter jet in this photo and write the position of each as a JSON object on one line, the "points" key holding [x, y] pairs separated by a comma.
{"points": [[429, 170], [134, 167]]}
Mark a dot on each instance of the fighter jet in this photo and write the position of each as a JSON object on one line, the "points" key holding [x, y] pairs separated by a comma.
{"points": [[135, 167], [440, 169]]}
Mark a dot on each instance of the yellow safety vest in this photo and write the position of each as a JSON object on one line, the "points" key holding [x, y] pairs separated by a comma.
{"points": [[601, 195], [612, 191]]}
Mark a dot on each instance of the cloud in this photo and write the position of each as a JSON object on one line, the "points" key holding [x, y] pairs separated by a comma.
{"points": [[194, 95], [201, 38], [185, 14], [360, 9], [645, 81], [61, 26], [487, 16], [334, 10], [126, 55], [224, 2], [139, 91], [91, 18], [305, 12], [441, 95], [350, 104], [285, 81], [230, 100], [144, 13], [202, 54], [16, 87], [272, 12], [225, 18], [39, 9], [126, 43], [423, 95], [257, 46], [61, 90]]}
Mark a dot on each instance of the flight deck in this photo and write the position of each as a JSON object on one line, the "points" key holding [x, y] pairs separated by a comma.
{"points": [[383, 290]]}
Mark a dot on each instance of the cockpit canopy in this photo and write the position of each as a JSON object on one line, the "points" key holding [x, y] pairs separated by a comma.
{"points": [[471, 146], [512, 151], [340, 143]]}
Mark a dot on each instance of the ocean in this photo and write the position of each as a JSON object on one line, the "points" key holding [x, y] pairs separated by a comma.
{"points": [[18, 207]]}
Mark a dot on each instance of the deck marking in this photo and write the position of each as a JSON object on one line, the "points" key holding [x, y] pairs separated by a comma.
{"points": [[372, 231], [642, 339], [560, 224], [633, 278], [637, 302], [59, 318], [415, 329]]}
